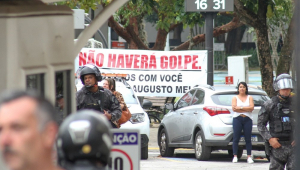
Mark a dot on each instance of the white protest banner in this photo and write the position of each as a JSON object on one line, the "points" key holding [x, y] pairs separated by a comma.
{"points": [[151, 73], [125, 152]]}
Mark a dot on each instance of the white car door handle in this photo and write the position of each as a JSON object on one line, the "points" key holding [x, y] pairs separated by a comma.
{"points": [[181, 113], [195, 113]]}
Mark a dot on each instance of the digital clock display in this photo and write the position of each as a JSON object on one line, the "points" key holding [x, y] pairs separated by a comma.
{"points": [[208, 5]]}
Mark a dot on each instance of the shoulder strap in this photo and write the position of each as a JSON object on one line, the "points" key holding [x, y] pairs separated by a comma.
{"points": [[248, 97], [102, 98], [237, 99]]}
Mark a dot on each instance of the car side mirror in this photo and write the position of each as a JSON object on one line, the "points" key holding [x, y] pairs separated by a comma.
{"points": [[169, 106], [147, 104]]}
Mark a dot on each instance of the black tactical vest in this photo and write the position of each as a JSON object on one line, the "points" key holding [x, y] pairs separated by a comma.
{"points": [[95, 100], [281, 119]]}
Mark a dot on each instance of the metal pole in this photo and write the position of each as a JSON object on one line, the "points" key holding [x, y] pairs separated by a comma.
{"points": [[209, 45], [92, 18], [167, 47], [109, 38], [296, 65]]}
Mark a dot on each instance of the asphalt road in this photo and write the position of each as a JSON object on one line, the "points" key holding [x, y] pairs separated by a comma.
{"points": [[185, 159]]}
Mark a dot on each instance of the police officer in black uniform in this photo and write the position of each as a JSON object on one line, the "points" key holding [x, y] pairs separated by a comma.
{"points": [[92, 96], [84, 141], [280, 115]]}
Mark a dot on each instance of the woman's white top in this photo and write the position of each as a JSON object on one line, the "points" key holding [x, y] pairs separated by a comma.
{"points": [[239, 103]]}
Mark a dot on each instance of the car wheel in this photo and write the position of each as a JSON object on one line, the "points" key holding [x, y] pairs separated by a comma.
{"points": [[164, 149], [239, 155], [144, 152], [202, 152]]}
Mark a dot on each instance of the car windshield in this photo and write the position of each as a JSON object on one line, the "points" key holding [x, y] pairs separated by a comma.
{"points": [[225, 99], [127, 94]]}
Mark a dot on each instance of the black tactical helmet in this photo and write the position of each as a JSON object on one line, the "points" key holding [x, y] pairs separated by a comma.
{"points": [[84, 136], [90, 69]]}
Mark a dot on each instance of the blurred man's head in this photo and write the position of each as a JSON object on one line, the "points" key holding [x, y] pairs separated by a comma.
{"points": [[27, 130]]}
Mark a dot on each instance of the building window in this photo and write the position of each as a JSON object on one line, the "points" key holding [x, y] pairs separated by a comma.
{"points": [[36, 82], [63, 93]]}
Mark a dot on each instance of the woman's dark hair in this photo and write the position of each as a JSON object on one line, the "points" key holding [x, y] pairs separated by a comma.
{"points": [[243, 83], [111, 84]]}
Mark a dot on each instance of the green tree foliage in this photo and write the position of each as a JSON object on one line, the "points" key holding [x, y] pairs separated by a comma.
{"points": [[280, 12], [163, 12], [167, 14], [256, 13], [83, 4]]}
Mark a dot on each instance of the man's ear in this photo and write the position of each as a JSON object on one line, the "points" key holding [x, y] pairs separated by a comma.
{"points": [[50, 133]]}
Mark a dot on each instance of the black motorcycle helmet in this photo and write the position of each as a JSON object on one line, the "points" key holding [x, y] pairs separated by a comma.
{"points": [[90, 69], [84, 139]]}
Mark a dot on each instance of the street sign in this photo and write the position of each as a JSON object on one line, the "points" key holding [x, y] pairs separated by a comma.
{"points": [[229, 80], [118, 45], [209, 5], [126, 149], [78, 18]]}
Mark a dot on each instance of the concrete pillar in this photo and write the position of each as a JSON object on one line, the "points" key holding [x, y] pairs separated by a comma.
{"points": [[35, 39]]}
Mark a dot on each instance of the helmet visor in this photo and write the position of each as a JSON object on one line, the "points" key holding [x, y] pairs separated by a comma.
{"points": [[284, 84]]}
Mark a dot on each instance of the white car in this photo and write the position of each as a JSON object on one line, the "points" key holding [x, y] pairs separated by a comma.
{"points": [[139, 118], [202, 119]]}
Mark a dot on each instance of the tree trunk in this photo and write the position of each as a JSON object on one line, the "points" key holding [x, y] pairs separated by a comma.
{"points": [[273, 39], [266, 67], [263, 46], [160, 42], [132, 45], [284, 62], [133, 30], [235, 23], [233, 42], [177, 32], [258, 58], [259, 23], [191, 39]]}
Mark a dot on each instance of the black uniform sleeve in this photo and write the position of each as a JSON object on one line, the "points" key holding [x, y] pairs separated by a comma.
{"points": [[115, 108], [293, 119], [79, 103], [263, 119]]}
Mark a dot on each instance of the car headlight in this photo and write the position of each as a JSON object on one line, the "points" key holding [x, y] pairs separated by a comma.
{"points": [[137, 118]]}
